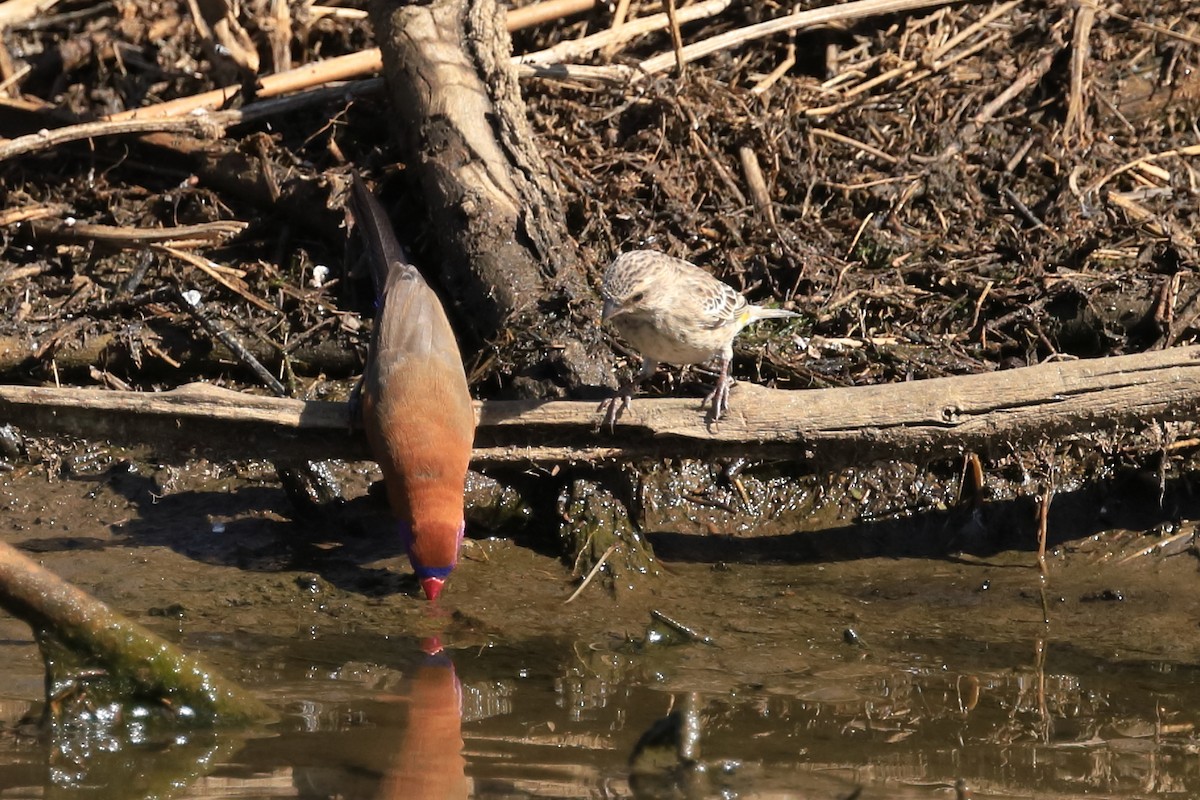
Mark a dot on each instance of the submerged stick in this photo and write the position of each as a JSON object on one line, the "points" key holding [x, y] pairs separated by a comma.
{"points": [[132, 655]]}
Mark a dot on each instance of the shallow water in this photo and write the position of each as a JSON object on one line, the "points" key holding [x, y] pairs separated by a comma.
{"points": [[377, 717], [896, 677]]}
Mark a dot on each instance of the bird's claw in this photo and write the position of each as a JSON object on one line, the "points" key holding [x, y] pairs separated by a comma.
{"points": [[614, 407], [718, 399]]}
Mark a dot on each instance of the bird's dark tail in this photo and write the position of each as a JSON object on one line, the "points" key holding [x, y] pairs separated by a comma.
{"points": [[386, 252]]}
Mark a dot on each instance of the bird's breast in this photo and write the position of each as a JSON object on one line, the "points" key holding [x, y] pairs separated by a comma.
{"points": [[669, 337]]}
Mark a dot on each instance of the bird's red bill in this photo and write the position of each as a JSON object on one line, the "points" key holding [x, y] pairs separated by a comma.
{"points": [[432, 587]]}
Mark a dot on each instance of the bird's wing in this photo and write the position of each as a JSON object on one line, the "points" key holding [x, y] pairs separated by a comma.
{"points": [[719, 303]]}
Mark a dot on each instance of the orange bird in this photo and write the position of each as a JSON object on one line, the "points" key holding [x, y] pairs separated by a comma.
{"points": [[416, 408]]}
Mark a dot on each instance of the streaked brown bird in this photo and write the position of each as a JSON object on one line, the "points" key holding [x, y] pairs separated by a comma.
{"points": [[672, 311], [416, 408]]}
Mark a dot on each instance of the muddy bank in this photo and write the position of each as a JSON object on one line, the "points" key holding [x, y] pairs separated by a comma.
{"points": [[899, 672]]}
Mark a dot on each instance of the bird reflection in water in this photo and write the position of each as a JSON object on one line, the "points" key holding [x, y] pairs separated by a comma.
{"points": [[405, 744], [429, 762]]}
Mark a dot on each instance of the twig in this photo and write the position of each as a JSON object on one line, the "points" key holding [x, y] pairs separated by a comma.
{"points": [[1024, 211], [862, 227], [620, 13], [676, 37], [21, 273], [1161, 544], [1043, 518], [208, 268], [578, 48], [789, 61], [191, 302], [1111, 11], [16, 77], [198, 120], [866, 148], [970, 30], [942, 63], [14, 12], [1019, 156], [208, 127], [857, 9], [972, 477], [148, 664], [280, 34], [938, 63], [547, 11], [757, 184], [339, 68], [337, 12], [1085, 16], [1190, 150], [690, 633], [123, 305], [10, 216], [593, 572], [615, 74], [205, 233], [987, 289], [224, 38], [318, 73], [1026, 78], [1143, 216]]}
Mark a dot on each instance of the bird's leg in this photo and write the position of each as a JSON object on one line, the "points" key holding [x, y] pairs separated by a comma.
{"points": [[719, 396], [615, 406], [354, 403]]}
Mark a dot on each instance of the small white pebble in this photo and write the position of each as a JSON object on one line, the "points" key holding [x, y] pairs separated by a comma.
{"points": [[191, 297], [70, 221], [319, 274]]}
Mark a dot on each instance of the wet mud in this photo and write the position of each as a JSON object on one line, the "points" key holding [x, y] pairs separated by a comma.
{"points": [[810, 663]]}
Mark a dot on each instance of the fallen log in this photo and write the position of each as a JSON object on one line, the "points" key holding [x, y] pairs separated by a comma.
{"points": [[988, 413], [139, 665]]}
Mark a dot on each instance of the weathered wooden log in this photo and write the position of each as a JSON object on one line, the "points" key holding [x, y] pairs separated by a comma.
{"points": [[197, 357], [986, 413]]}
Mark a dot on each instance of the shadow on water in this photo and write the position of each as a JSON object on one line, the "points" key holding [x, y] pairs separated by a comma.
{"points": [[1132, 501], [239, 525]]}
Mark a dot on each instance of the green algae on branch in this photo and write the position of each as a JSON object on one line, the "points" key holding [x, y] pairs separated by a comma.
{"points": [[132, 660]]}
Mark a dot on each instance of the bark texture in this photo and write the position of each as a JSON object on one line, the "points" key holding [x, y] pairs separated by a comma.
{"points": [[497, 221], [990, 414]]}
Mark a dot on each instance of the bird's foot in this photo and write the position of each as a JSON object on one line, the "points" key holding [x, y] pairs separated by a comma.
{"points": [[615, 406], [718, 399]]}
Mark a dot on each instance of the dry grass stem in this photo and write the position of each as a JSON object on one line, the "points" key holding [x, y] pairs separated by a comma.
{"points": [[547, 11], [857, 9], [616, 36], [1075, 124]]}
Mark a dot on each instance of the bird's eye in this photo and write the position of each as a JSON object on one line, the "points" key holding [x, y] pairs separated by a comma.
{"points": [[637, 298]]}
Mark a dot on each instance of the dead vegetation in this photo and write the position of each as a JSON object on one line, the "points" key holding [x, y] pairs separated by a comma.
{"points": [[940, 188]]}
